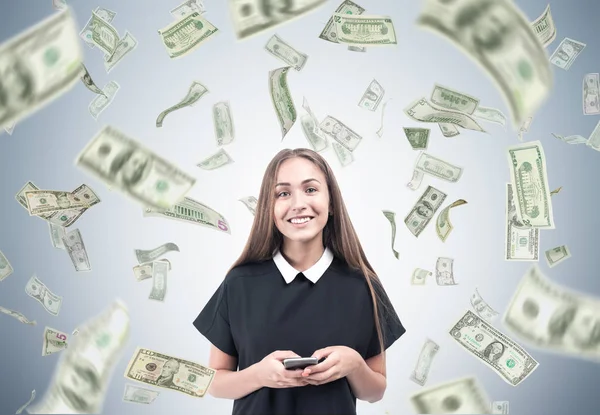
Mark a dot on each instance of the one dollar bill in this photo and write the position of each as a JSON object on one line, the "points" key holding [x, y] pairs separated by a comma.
{"points": [[422, 212], [493, 348], [529, 179], [513, 57], [554, 318], [124, 164], [39, 64], [161, 370]]}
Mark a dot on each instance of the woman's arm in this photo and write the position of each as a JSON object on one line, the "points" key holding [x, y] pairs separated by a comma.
{"points": [[229, 383], [368, 381]]}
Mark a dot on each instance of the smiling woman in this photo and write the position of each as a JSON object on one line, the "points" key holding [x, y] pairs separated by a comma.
{"points": [[302, 287]]}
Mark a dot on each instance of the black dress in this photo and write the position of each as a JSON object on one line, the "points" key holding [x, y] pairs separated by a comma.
{"points": [[254, 312]]}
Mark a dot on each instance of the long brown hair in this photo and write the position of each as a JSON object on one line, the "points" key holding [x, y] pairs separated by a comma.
{"points": [[338, 235]]}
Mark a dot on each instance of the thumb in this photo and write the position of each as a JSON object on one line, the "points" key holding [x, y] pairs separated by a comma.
{"points": [[284, 354], [321, 353]]}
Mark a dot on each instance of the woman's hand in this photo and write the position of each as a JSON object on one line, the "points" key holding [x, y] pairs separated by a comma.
{"points": [[341, 361], [272, 374]]}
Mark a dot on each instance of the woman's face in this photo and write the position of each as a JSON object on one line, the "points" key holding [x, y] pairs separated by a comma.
{"points": [[301, 190]]}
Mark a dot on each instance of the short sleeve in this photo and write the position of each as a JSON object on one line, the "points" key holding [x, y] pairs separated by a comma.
{"points": [[391, 327], [213, 321]]}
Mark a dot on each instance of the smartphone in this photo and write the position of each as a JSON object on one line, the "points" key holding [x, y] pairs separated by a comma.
{"points": [[299, 362]]}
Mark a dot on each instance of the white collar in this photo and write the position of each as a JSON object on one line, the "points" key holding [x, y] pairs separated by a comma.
{"points": [[313, 273]]}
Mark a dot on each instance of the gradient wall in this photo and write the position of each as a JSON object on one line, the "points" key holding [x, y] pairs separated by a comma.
{"points": [[43, 148]]}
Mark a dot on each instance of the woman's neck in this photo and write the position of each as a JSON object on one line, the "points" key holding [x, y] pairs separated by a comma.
{"points": [[302, 256]]}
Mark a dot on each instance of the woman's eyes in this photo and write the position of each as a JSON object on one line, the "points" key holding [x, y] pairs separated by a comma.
{"points": [[309, 188]]}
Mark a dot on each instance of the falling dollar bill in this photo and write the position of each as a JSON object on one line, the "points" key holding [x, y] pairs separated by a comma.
{"points": [[329, 32], [525, 127], [419, 276], [344, 155], [415, 181], [499, 407], [39, 67], [59, 4], [443, 226], [490, 114], [448, 130], [380, 131], [591, 94], [184, 36], [444, 271], [76, 248], [101, 102], [421, 110], [572, 139], [18, 316], [157, 369], [223, 122], [417, 137], [87, 80], [54, 341], [557, 255], [282, 50], [421, 371], [62, 218], [5, 268], [26, 404], [195, 92], [594, 140], [460, 396], [187, 7], [135, 394], [372, 96], [103, 34], [529, 179], [56, 234], [545, 29], [556, 191], [124, 164], [153, 254], [86, 33], [522, 243], [38, 291], [567, 51], [250, 202], [482, 308], [219, 159], [362, 30], [50, 201], [310, 126], [441, 169], [313, 133], [552, 317], [282, 99], [82, 376], [190, 210], [492, 347], [250, 17], [391, 217], [127, 44], [9, 128], [422, 212], [514, 59], [453, 100], [340, 132], [143, 271], [160, 270]]}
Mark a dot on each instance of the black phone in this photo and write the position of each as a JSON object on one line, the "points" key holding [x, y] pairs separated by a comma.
{"points": [[299, 362]]}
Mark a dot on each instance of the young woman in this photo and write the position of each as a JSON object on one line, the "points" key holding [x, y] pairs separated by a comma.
{"points": [[302, 287]]}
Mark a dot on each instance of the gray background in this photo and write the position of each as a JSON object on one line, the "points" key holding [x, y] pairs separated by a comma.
{"points": [[44, 146]]}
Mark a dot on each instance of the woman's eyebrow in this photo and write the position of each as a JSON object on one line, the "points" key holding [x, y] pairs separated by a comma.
{"points": [[303, 181]]}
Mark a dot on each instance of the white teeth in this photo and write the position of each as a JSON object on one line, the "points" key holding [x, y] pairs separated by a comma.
{"points": [[298, 221]]}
